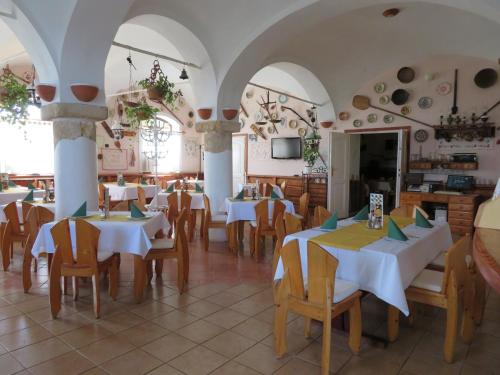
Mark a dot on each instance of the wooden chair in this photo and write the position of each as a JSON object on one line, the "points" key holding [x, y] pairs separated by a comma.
{"points": [[303, 211], [31, 226], [262, 226], [283, 187], [101, 188], [266, 190], [186, 204], [25, 207], [447, 290], [324, 298], [173, 210], [141, 196], [6, 244], [88, 263], [292, 224], [216, 221], [408, 211], [279, 228], [17, 234], [321, 214], [165, 248], [44, 215]]}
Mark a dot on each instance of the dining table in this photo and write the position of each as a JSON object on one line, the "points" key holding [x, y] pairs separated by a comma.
{"points": [[37, 202], [12, 194], [120, 233], [241, 210], [128, 191], [197, 202], [384, 267], [252, 185]]}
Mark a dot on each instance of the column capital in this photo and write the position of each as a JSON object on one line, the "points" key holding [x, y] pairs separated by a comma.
{"points": [[218, 134], [74, 110], [217, 126]]}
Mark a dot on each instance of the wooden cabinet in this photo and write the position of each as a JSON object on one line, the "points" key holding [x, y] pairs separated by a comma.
{"points": [[461, 208]]}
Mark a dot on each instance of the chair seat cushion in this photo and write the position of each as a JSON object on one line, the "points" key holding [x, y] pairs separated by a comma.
{"points": [[103, 255], [429, 280], [439, 260], [219, 217], [343, 289], [162, 243]]}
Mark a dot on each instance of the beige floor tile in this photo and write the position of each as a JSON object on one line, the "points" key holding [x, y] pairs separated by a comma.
{"points": [[40, 352], [43, 315], [175, 320], [143, 333], [153, 309], [165, 370], [200, 331], [179, 300], [168, 347], [105, 349], [84, 335], [431, 366], [70, 363], [135, 362], [224, 299], [229, 344], [15, 323], [250, 307], [207, 290], [253, 329], [261, 359], [312, 353], [95, 371], [9, 312], [246, 289], [24, 337], [33, 304], [368, 362], [226, 318], [201, 308], [298, 366], [234, 368], [482, 360], [65, 324], [120, 321], [9, 365], [198, 361]]}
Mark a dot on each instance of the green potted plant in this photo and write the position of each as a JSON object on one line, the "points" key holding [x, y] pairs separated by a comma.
{"points": [[311, 150], [141, 111], [161, 89], [14, 99]]}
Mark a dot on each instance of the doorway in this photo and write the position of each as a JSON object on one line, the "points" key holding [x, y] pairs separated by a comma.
{"points": [[240, 160]]}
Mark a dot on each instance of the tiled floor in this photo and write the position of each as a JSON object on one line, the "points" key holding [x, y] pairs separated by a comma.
{"points": [[222, 325]]}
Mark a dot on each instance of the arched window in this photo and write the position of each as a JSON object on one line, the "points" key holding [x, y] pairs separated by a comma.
{"points": [[170, 151]]}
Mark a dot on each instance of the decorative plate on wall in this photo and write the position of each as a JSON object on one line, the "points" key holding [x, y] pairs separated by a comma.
{"points": [[372, 117], [270, 129], [388, 119], [282, 98], [301, 132], [405, 110], [406, 74], [181, 101], [421, 135], [190, 114], [293, 124], [344, 116], [357, 123], [444, 88], [249, 94], [190, 124], [242, 123], [384, 99], [424, 102], [379, 87]]}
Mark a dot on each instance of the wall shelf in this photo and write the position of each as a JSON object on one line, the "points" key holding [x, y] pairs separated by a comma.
{"points": [[466, 132], [443, 166]]}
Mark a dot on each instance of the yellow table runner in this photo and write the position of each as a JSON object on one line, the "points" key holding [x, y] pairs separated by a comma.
{"points": [[356, 236]]}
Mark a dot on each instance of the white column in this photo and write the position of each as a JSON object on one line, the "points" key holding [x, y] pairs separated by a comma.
{"points": [[75, 154]]}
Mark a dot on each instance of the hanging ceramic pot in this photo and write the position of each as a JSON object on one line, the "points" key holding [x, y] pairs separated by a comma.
{"points": [[154, 93], [326, 124], [46, 91], [229, 113], [83, 92], [205, 113]]}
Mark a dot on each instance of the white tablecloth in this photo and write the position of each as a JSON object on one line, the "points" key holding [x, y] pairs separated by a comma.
{"points": [[50, 206], [196, 200], [249, 186], [385, 267], [245, 210], [20, 192], [129, 191], [117, 236]]}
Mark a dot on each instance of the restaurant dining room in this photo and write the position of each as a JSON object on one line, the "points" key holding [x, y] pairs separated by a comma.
{"points": [[249, 187]]}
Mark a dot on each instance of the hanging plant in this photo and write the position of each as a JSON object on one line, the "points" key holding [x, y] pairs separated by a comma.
{"points": [[311, 148], [142, 111], [14, 99], [159, 87]]}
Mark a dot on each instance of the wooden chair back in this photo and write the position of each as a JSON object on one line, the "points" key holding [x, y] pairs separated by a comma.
{"points": [[455, 261], [44, 215], [283, 187], [62, 240], [208, 210], [87, 239], [141, 196], [25, 207], [304, 206], [321, 214], [31, 227], [262, 213], [279, 228], [321, 269], [292, 224], [6, 244], [268, 188], [101, 188], [278, 209], [186, 201], [290, 256], [11, 215], [173, 205]]}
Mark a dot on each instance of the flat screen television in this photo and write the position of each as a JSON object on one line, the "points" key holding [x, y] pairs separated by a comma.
{"points": [[286, 148]]}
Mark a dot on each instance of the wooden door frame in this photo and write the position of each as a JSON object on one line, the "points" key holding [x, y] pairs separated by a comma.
{"points": [[245, 167]]}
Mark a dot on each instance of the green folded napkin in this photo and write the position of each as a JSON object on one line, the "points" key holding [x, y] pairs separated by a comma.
{"points": [[274, 195], [170, 188], [135, 212], [240, 195], [12, 184], [31, 186], [198, 188], [395, 232], [29, 197], [143, 181], [362, 214], [331, 222], [82, 211], [421, 221]]}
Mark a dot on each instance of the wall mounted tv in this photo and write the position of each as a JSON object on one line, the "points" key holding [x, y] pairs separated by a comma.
{"points": [[286, 148]]}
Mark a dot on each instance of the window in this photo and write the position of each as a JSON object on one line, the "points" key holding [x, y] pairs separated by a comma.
{"points": [[170, 151], [29, 148]]}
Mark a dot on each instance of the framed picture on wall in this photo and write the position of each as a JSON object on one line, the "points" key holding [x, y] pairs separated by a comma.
{"points": [[114, 159]]}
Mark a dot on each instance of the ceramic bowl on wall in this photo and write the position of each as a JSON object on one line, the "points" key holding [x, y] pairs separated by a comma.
{"points": [[229, 113], [46, 92], [406, 74], [205, 113], [486, 78], [326, 124], [400, 96], [83, 92], [344, 116]]}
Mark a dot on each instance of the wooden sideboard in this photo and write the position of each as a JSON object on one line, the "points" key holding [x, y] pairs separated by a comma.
{"points": [[461, 208]]}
